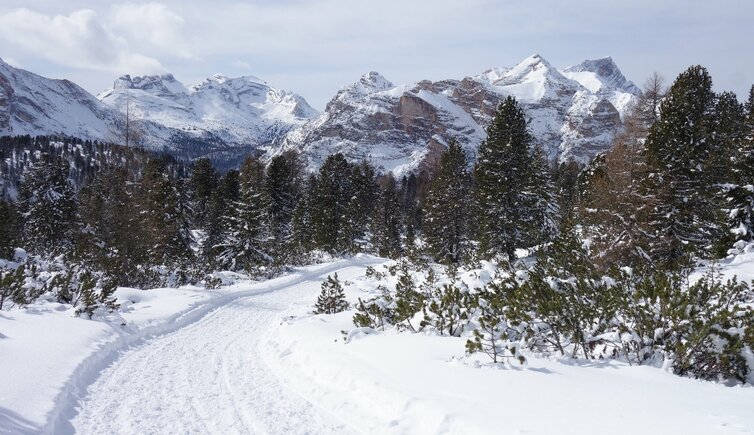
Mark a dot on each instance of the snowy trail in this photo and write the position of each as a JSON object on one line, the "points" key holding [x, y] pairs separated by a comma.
{"points": [[209, 377]]}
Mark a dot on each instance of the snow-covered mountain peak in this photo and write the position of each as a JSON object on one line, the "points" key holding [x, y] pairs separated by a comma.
{"points": [[164, 85], [369, 83], [598, 74]]}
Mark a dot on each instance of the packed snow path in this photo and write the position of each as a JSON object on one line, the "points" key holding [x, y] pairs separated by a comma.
{"points": [[209, 377]]}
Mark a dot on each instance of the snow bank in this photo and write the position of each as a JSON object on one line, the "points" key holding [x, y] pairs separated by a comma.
{"points": [[390, 382]]}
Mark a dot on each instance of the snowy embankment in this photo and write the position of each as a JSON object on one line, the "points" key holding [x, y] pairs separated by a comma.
{"points": [[390, 382], [49, 357]]}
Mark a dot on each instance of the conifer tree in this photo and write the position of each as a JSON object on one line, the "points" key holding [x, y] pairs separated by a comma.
{"points": [[220, 218], [509, 205], [359, 211], [48, 207], [202, 185], [249, 239], [387, 220], [112, 237], [8, 229], [331, 198], [303, 230], [332, 299], [679, 149], [166, 230], [446, 208], [282, 186]]}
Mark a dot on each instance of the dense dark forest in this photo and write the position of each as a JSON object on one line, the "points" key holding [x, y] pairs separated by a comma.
{"points": [[614, 241]]}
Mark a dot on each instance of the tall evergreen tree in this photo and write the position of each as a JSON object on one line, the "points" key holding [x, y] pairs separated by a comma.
{"points": [[8, 229], [303, 230], [387, 219], [359, 211], [220, 217], [330, 202], [680, 150], [282, 186], [48, 207], [248, 243], [202, 185], [446, 208], [509, 201], [166, 228]]}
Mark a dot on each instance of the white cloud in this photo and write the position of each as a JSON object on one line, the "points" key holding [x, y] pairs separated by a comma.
{"points": [[151, 27], [79, 39]]}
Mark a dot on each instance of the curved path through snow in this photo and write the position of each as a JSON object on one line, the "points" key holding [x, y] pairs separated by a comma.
{"points": [[209, 377]]}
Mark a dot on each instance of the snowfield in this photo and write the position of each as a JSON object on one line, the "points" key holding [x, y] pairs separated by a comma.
{"points": [[252, 358]]}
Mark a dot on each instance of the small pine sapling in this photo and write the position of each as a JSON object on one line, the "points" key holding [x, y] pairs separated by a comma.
{"points": [[494, 336], [332, 299]]}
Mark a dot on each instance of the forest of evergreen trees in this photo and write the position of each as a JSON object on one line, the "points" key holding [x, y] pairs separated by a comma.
{"points": [[614, 241]]}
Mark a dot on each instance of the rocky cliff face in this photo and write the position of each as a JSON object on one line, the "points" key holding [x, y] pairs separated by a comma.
{"points": [[574, 114]]}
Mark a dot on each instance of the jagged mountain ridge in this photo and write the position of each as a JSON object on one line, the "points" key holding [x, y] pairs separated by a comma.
{"points": [[221, 118], [574, 114], [231, 115]]}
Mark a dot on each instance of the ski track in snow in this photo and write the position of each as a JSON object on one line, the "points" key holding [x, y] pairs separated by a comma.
{"points": [[208, 377]]}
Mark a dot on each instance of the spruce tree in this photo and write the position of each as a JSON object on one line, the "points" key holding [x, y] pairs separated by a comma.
{"points": [[302, 224], [165, 221], [332, 299], [679, 148], [446, 208], [8, 229], [47, 204], [331, 199], [510, 201], [202, 185], [387, 220], [248, 243], [282, 186], [218, 226]]}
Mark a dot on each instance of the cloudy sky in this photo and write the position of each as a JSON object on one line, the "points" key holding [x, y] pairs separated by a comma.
{"points": [[314, 47]]}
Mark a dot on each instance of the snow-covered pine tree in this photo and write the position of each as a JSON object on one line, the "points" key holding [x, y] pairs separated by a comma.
{"points": [[360, 208], [331, 299], [47, 204], [112, 238], [387, 220], [741, 189], [248, 242], [302, 221], [8, 229], [446, 208], [508, 201], [202, 185], [217, 227], [330, 202], [282, 186], [685, 217], [163, 216]]}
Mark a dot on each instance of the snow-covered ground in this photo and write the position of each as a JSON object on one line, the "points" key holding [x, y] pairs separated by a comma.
{"points": [[414, 383], [251, 358], [49, 357]]}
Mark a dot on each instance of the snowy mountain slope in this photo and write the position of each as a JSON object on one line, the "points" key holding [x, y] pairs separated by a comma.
{"points": [[226, 114], [35, 105], [574, 114], [222, 118]]}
